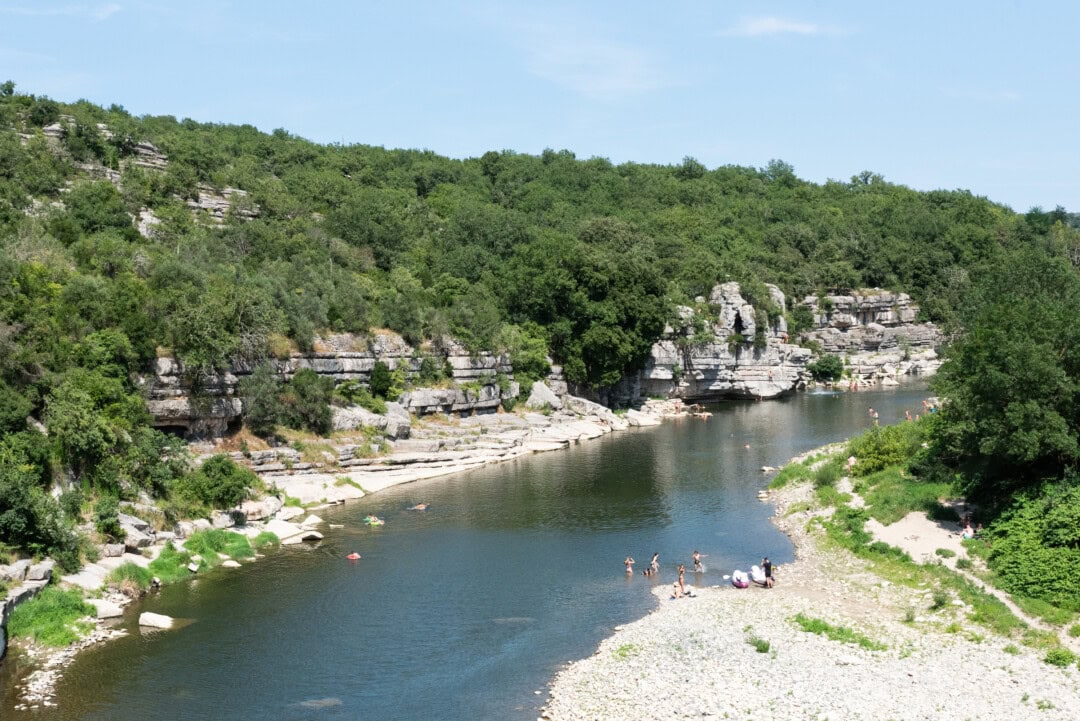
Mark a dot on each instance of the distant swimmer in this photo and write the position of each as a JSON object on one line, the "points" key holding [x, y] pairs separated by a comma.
{"points": [[629, 563], [354, 556], [419, 507], [747, 446]]}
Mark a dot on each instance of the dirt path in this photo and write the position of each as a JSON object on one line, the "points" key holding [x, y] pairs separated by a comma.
{"points": [[920, 537]]}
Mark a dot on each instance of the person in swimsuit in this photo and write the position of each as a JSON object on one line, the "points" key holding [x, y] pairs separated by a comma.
{"points": [[682, 577], [629, 563], [698, 568], [655, 563]]}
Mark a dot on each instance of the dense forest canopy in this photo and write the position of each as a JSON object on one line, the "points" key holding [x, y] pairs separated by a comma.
{"points": [[550, 254]]}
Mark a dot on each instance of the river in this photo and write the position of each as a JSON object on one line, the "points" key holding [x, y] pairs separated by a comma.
{"points": [[464, 611]]}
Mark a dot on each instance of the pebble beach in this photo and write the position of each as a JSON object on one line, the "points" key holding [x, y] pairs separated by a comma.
{"points": [[739, 654]]}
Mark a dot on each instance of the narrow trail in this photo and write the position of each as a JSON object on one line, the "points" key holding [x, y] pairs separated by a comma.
{"points": [[920, 537]]}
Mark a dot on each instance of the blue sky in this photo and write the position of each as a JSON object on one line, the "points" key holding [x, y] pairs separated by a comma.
{"points": [[945, 94]]}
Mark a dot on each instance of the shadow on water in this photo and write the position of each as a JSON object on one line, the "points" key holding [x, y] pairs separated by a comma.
{"points": [[467, 609]]}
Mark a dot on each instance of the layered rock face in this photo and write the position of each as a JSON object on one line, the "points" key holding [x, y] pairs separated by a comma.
{"points": [[875, 331], [727, 349], [341, 357]]}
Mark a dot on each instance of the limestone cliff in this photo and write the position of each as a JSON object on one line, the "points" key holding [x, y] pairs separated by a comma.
{"points": [[876, 333], [474, 386], [725, 348]]}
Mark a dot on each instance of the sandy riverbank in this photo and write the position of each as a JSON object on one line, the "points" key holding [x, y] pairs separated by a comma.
{"points": [[692, 658]]}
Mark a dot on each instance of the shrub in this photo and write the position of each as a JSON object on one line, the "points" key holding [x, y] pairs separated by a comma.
{"points": [[964, 564], [219, 483], [306, 402], [827, 368], [940, 599], [380, 380], [106, 518], [885, 446], [945, 552]]}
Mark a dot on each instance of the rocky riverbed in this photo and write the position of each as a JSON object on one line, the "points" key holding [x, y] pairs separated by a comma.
{"points": [[706, 656]]}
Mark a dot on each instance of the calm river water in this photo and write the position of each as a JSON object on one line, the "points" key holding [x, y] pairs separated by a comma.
{"points": [[467, 610]]}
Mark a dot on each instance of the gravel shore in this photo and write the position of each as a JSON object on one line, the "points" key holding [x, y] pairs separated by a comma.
{"points": [[694, 657]]}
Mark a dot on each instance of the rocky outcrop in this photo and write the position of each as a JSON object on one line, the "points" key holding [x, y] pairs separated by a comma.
{"points": [[876, 332], [726, 348], [342, 357], [218, 204]]}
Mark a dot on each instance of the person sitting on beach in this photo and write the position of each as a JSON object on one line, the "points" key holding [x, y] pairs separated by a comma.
{"points": [[675, 591], [629, 563], [967, 533]]}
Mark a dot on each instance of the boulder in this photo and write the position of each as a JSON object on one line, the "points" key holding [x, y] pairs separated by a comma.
{"points": [[106, 608], [398, 421], [41, 571], [230, 564], [184, 529], [129, 521], [541, 397], [135, 539], [112, 550], [15, 572], [263, 508], [222, 519], [311, 520], [155, 620], [201, 524], [287, 513]]}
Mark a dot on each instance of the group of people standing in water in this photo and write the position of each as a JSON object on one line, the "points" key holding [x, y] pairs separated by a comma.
{"points": [[762, 575]]}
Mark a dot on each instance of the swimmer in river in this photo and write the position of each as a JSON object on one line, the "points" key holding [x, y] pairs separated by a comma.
{"points": [[629, 563], [419, 507], [698, 568], [655, 563]]}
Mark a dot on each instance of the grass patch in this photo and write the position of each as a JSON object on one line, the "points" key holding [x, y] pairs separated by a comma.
{"points": [[209, 544], [760, 645], [829, 472], [129, 574], [266, 538], [792, 473], [171, 565], [1012, 649], [1048, 612], [964, 564], [626, 651], [1060, 657], [53, 618], [292, 501], [1074, 630], [891, 494], [945, 552], [843, 634], [939, 600]]}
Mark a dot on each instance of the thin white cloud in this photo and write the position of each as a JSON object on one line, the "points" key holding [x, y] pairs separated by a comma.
{"points": [[94, 12], [749, 27]]}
